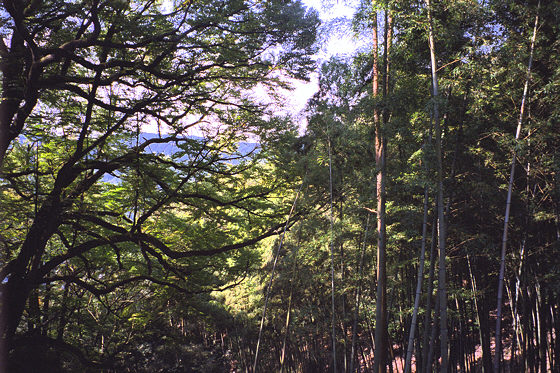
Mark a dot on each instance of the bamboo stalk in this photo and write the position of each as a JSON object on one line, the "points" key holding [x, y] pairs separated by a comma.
{"points": [[498, 336]]}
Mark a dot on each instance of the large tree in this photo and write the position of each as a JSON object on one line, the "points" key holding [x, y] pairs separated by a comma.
{"points": [[88, 201]]}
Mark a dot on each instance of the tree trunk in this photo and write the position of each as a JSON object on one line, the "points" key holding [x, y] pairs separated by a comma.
{"points": [[481, 321], [333, 315], [12, 69], [358, 295], [442, 290], [288, 314], [267, 296], [381, 337], [418, 284], [23, 271], [380, 352], [497, 357], [432, 344], [556, 341], [429, 291], [343, 295]]}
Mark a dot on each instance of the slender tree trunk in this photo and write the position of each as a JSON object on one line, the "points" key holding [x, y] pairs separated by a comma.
{"points": [[418, 284], [267, 296], [556, 341], [286, 332], [527, 330], [442, 290], [516, 317], [474, 295], [497, 357], [358, 295], [420, 279], [550, 334], [541, 328], [343, 295], [371, 335], [480, 316], [432, 344], [461, 355], [429, 291], [333, 316], [535, 335], [289, 311]]}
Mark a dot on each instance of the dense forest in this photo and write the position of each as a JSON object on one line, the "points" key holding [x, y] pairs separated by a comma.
{"points": [[158, 214]]}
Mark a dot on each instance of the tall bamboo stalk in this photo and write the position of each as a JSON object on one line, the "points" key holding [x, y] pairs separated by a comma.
{"points": [[475, 301], [429, 291], [497, 357], [289, 311], [418, 284], [358, 295], [420, 280], [333, 319], [343, 298], [433, 335], [267, 296], [442, 290]]}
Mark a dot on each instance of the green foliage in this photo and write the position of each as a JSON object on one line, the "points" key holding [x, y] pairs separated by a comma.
{"points": [[123, 250], [112, 238]]}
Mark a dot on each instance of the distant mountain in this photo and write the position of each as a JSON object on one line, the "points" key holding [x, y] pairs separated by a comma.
{"points": [[170, 148]]}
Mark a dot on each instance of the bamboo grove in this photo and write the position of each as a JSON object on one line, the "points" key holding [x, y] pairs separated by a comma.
{"points": [[156, 215]]}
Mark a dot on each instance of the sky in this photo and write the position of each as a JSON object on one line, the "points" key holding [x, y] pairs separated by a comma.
{"points": [[341, 43]]}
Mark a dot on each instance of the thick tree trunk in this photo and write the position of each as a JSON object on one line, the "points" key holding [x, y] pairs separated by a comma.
{"points": [[380, 352], [20, 74], [11, 66], [381, 337], [22, 271]]}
